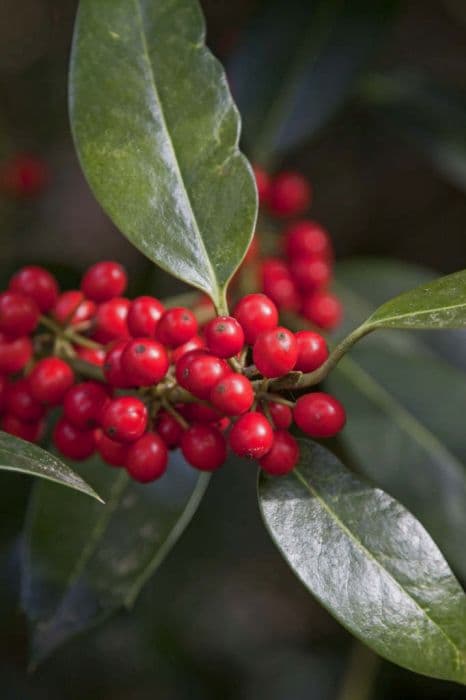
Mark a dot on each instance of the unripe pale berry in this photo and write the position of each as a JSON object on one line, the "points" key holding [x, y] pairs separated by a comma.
{"points": [[104, 281], [147, 458], [204, 447], [224, 336], [255, 313], [282, 456], [251, 435], [233, 394], [319, 415], [275, 352]]}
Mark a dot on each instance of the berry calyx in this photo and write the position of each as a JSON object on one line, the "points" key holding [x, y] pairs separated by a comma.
{"points": [[204, 447], [282, 456], [224, 336], [176, 326], [251, 435], [50, 379], [143, 316], [124, 419], [36, 282], [255, 313], [103, 281], [290, 194], [198, 371], [232, 395], [19, 314], [275, 352], [71, 442], [147, 458], [144, 362], [312, 351], [83, 404], [319, 415]]}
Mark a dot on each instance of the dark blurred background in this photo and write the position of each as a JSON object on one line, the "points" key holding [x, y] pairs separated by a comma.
{"points": [[224, 618]]}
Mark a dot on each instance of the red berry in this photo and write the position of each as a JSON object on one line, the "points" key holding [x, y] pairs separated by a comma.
{"points": [[19, 314], [263, 184], [104, 281], [199, 413], [253, 250], [144, 362], [143, 316], [20, 403], [319, 415], [196, 343], [176, 326], [198, 371], [83, 404], [310, 273], [37, 283], [282, 456], [251, 435], [71, 442], [281, 415], [275, 352], [169, 429], [204, 447], [232, 395], [23, 175], [72, 308], [95, 356], [323, 309], [278, 284], [113, 368], [224, 336], [308, 238], [312, 351], [14, 354], [147, 458], [50, 379], [113, 453], [124, 419], [255, 313], [4, 384], [110, 320], [31, 431], [290, 194]]}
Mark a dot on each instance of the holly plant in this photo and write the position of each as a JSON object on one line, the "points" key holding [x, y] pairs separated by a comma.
{"points": [[264, 359]]}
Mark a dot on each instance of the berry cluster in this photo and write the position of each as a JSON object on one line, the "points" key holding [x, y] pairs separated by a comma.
{"points": [[298, 280], [135, 379]]}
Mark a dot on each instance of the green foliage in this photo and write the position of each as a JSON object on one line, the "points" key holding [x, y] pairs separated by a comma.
{"points": [[370, 562], [157, 134], [19, 456]]}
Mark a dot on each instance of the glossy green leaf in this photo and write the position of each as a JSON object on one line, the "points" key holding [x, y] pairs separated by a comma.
{"points": [[157, 134], [19, 456], [82, 562], [369, 562], [296, 64], [437, 304]]}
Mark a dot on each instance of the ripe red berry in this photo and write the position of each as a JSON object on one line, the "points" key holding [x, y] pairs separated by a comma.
{"points": [[232, 395], [113, 453], [290, 194], [14, 354], [71, 442], [310, 273], [319, 415], [143, 316], [83, 404], [113, 368], [50, 379], [19, 314], [95, 356], [20, 403], [199, 413], [255, 313], [312, 351], [263, 184], [279, 285], [308, 238], [144, 361], [23, 175], [204, 447], [104, 281], [169, 429], [147, 458], [110, 320], [251, 435], [124, 419], [282, 415], [31, 431], [4, 384], [282, 456], [323, 309], [72, 308], [198, 371], [224, 336], [37, 283], [275, 352], [176, 326], [195, 343]]}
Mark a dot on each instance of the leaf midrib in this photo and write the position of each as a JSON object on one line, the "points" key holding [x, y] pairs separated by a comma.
{"points": [[314, 492], [146, 56], [424, 312]]}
